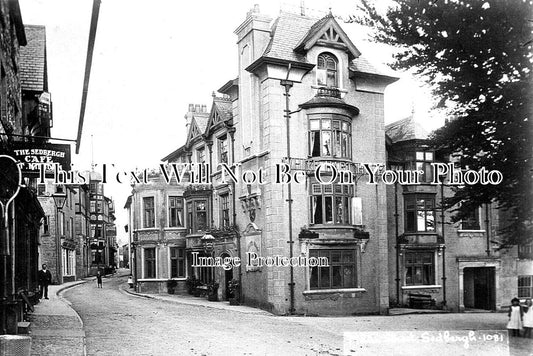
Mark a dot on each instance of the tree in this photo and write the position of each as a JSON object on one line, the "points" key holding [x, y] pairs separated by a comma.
{"points": [[477, 58]]}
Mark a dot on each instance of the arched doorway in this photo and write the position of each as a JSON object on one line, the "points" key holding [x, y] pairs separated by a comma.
{"points": [[228, 276]]}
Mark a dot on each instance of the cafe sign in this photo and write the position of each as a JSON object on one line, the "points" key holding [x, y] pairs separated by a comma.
{"points": [[34, 156]]}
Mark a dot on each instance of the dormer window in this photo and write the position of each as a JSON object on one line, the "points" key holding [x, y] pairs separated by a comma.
{"points": [[326, 72]]}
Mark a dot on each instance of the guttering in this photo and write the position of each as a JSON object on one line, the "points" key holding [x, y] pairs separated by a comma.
{"points": [[281, 62]]}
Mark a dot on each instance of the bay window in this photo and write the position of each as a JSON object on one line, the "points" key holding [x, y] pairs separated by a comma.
{"points": [[341, 272], [419, 268], [330, 136], [419, 213], [197, 217]]}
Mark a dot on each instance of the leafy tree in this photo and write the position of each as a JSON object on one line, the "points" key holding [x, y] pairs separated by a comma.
{"points": [[476, 55]]}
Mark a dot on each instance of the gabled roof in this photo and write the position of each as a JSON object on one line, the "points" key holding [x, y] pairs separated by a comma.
{"points": [[292, 35], [221, 111], [198, 126], [33, 75], [327, 31], [405, 130]]}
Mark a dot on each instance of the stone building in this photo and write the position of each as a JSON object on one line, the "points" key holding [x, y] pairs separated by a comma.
{"points": [[306, 97], [459, 265], [64, 231], [157, 222], [102, 232], [19, 239]]}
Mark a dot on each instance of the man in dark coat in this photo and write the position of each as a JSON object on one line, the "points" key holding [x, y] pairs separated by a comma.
{"points": [[45, 278]]}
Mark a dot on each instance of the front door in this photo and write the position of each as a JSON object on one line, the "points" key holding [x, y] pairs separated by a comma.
{"points": [[479, 288]]}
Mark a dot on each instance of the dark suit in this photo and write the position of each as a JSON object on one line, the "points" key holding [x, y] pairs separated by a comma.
{"points": [[45, 278]]}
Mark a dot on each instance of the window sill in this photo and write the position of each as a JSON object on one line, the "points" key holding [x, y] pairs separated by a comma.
{"points": [[467, 231], [332, 291], [178, 279], [181, 228], [147, 229], [433, 286]]}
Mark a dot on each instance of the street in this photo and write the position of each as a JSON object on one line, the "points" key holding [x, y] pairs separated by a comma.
{"points": [[117, 323]]}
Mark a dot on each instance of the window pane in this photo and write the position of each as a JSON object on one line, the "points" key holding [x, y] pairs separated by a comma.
{"points": [[337, 277], [314, 277], [331, 78], [316, 209], [314, 124], [324, 277], [326, 143], [349, 276], [326, 124], [420, 156], [329, 209], [429, 156], [321, 76], [315, 143], [430, 223]]}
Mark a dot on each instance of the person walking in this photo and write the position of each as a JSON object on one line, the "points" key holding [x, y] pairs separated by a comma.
{"points": [[45, 278], [99, 279], [527, 318], [515, 317]]}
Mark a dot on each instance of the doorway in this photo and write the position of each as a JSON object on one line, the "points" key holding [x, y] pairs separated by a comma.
{"points": [[479, 288], [228, 276]]}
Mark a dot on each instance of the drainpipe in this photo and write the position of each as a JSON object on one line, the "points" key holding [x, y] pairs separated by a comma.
{"points": [[487, 227], [396, 216], [237, 233], [288, 84], [443, 247]]}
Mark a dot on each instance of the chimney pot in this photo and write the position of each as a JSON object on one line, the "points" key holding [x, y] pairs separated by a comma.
{"points": [[191, 107]]}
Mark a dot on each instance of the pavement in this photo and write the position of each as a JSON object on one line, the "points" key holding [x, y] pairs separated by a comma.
{"points": [[195, 301], [56, 328]]}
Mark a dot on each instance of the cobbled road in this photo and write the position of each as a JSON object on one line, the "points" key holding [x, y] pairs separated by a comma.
{"points": [[117, 323]]}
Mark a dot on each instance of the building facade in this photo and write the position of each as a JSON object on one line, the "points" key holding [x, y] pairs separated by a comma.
{"points": [[306, 98], [103, 237], [460, 265]]}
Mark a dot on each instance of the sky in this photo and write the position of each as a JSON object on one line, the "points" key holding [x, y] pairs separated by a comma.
{"points": [[151, 59]]}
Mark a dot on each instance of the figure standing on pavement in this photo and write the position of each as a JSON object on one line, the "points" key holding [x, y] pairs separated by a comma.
{"points": [[528, 318], [515, 317], [99, 279], [45, 278]]}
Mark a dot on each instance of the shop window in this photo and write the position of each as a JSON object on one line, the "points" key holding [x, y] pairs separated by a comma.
{"points": [[525, 286], [330, 136], [419, 213], [224, 211], [341, 272], [330, 203], [175, 212], [149, 262], [471, 221], [177, 262], [41, 189], [327, 70], [149, 212], [223, 150], [419, 268]]}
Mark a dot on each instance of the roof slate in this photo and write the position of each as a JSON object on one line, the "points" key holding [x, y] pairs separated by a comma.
{"points": [[33, 60], [405, 130], [201, 121], [290, 30], [224, 108]]}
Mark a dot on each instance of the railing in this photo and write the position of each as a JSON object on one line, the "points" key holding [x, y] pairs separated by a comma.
{"points": [[331, 92]]}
